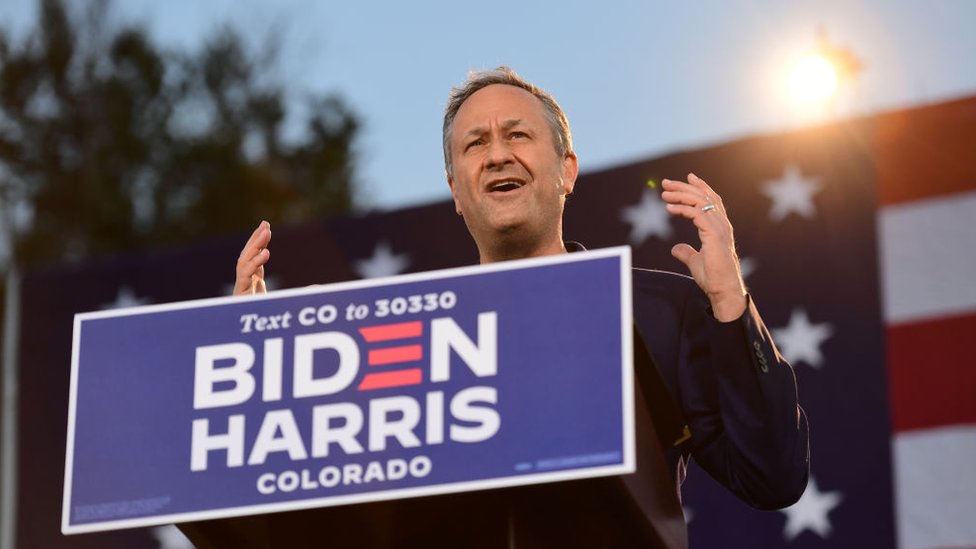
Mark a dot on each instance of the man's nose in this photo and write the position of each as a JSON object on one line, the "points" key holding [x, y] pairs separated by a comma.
{"points": [[498, 155]]}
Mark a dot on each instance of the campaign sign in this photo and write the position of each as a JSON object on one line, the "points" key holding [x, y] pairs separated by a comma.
{"points": [[448, 381]]}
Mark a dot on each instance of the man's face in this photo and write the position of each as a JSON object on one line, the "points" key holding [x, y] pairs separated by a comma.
{"points": [[508, 181]]}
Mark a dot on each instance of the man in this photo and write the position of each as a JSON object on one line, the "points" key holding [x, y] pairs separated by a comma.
{"points": [[510, 166]]}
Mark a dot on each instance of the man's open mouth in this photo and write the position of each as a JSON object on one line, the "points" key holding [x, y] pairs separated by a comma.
{"points": [[505, 186]]}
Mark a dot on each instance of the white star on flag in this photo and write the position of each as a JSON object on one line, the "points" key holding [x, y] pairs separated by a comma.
{"points": [[810, 512], [747, 266], [800, 340], [383, 263], [647, 217], [125, 297], [792, 193]]}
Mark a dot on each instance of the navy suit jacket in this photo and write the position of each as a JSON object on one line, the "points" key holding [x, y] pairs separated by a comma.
{"points": [[733, 389]]}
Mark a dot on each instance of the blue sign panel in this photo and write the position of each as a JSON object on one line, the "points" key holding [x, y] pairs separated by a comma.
{"points": [[447, 381]]}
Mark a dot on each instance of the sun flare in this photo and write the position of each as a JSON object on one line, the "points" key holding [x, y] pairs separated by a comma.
{"points": [[813, 79]]}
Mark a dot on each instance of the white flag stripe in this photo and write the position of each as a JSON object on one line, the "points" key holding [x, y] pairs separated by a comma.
{"points": [[928, 258], [935, 487]]}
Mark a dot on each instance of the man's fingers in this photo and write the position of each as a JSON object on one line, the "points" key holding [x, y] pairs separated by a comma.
{"points": [[694, 192], [250, 264], [712, 196], [693, 200], [684, 197], [699, 183], [242, 286], [259, 238], [257, 285], [256, 263], [679, 192], [684, 211], [248, 271], [710, 220], [254, 252], [684, 253]]}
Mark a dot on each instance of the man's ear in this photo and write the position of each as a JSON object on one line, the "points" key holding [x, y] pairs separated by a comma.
{"points": [[457, 203], [570, 171]]}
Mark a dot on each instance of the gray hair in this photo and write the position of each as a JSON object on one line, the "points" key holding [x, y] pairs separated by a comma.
{"points": [[555, 116]]}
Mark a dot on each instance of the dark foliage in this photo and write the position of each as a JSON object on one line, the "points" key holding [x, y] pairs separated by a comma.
{"points": [[109, 143]]}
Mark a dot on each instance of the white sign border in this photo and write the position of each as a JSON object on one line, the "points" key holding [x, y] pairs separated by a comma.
{"points": [[623, 253]]}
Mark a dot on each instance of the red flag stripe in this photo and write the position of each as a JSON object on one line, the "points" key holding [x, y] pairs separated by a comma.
{"points": [[925, 152], [932, 373]]}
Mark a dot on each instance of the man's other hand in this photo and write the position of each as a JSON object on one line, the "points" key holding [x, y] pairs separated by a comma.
{"points": [[714, 265]]}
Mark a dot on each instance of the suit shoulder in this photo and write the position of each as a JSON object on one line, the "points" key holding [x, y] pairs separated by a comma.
{"points": [[676, 290], [652, 278]]}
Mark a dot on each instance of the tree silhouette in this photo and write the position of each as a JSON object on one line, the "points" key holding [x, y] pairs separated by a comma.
{"points": [[109, 143]]}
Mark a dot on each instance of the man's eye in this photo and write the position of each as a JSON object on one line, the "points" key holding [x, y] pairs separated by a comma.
{"points": [[518, 135], [474, 143]]}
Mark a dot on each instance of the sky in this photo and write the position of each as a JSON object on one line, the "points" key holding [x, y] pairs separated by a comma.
{"points": [[637, 79]]}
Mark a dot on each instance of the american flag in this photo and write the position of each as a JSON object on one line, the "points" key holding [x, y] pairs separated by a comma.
{"points": [[856, 245]]}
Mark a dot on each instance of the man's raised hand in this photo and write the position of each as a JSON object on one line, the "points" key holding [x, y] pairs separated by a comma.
{"points": [[250, 264], [714, 265]]}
